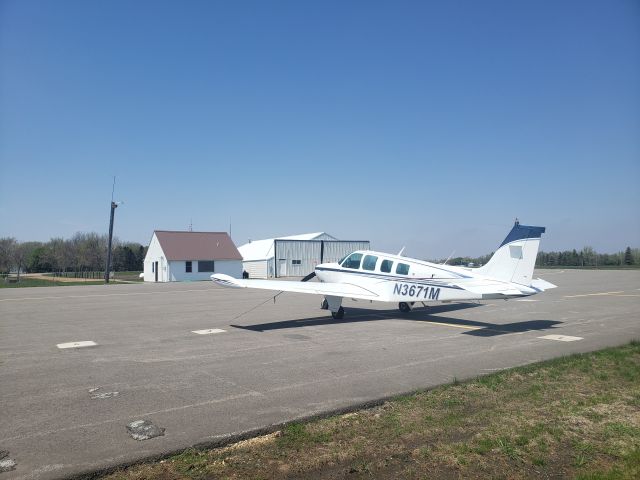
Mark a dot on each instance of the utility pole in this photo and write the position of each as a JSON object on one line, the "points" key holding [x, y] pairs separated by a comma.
{"points": [[114, 205]]}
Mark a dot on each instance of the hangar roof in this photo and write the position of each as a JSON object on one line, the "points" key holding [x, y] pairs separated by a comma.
{"points": [[197, 245], [263, 249], [309, 236]]}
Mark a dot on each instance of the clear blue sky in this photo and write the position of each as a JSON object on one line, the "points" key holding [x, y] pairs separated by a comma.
{"points": [[425, 124]]}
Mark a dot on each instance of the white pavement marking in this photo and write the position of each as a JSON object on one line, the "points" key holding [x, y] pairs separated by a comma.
{"points": [[593, 294], [88, 343], [561, 338], [209, 331], [526, 300], [466, 327]]}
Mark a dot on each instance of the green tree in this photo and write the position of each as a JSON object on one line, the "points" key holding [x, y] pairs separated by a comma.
{"points": [[36, 260], [7, 244], [628, 259], [140, 254]]}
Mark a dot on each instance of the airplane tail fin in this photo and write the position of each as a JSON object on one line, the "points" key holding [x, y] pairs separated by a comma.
{"points": [[516, 257]]}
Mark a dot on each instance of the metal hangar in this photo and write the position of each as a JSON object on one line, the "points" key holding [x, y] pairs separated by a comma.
{"points": [[297, 255]]}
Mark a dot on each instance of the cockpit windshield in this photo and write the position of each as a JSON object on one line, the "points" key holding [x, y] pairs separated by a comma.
{"points": [[342, 259], [352, 261]]}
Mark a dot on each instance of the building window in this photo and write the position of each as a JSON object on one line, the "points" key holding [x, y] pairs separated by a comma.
{"points": [[402, 269], [153, 267], [205, 266], [369, 262], [187, 267], [386, 265], [296, 262]]}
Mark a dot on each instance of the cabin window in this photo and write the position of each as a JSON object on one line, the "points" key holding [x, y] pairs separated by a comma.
{"points": [[352, 261], [369, 262], [187, 267], [206, 266], [296, 262], [386, 265], [402, 269]]}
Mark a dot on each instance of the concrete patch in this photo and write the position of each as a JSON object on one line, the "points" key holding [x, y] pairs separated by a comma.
{"points": [[561, 338], [144, 430], [95, 395], [209, 331], [297, 336], [6, 464], [83, 344]]}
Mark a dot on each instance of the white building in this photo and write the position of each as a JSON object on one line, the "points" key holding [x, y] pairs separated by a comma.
{"points": [[297, 255], [186, 256]]}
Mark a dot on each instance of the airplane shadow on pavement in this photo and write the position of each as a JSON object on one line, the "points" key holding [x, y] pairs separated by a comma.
{"points": [[427, 315]]}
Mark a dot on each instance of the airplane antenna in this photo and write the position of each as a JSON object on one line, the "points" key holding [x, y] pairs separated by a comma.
{"points": [[401, 251], [448, 258]]}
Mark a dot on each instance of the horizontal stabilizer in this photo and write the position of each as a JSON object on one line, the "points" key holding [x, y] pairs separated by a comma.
{"points": [[488, 287], [543, 285]]}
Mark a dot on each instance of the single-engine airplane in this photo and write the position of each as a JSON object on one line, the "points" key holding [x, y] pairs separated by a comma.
{"points": [[381, 277]]}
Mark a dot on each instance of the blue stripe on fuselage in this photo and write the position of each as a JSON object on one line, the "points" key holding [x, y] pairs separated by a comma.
{"points": [[431, 282]]}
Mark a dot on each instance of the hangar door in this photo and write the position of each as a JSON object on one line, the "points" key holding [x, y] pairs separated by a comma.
{"points": [[297, 258]]}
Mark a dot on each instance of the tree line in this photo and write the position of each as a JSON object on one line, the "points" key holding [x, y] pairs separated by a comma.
{"points": [[586, 257], [82, 252]]}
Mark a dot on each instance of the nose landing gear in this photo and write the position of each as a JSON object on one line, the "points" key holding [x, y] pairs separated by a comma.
{"points": [[405, 307]]}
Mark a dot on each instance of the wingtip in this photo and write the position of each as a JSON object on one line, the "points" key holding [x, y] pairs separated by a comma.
{"points": [[224, 280]]}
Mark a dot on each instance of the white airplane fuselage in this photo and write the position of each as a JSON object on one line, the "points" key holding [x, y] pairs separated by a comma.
{"points": [[423, 282]]}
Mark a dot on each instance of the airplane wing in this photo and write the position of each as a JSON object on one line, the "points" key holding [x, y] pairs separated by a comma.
{"points": [[347, 290]]}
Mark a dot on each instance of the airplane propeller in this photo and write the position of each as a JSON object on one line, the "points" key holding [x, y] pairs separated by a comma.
{"points": [[308, 277]]}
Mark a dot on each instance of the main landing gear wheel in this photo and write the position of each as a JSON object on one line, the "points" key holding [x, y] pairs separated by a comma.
{"points": [[324, 305], [404, 307], [339, 314]]}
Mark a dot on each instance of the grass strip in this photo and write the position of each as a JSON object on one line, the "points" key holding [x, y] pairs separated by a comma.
{"points": [[572, 417], [40, 282]]}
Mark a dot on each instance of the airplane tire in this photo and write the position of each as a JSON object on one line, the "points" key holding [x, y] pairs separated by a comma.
{"points": [[339, 315], [324, 305], [404, 307]]}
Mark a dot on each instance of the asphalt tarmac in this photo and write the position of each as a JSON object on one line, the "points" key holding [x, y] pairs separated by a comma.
{"points": [[254, 363]]}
